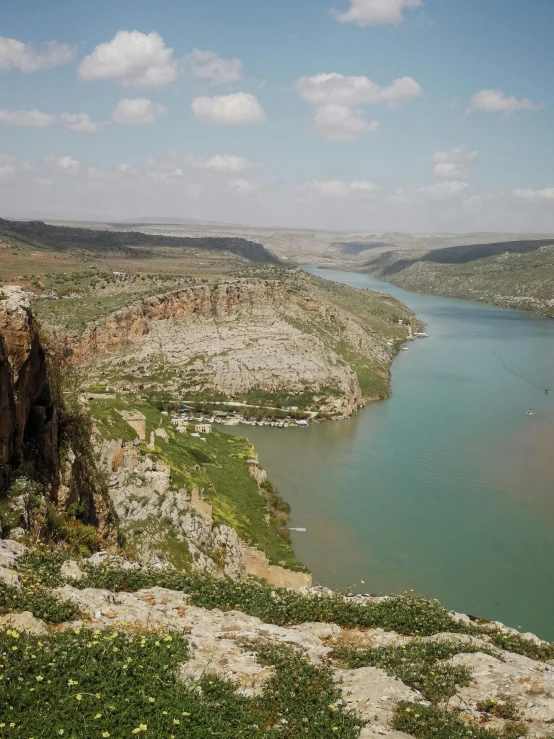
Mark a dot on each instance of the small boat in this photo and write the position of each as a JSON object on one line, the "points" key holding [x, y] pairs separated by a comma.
{"points": [[404, 348], [421, 335], [530, 412]]}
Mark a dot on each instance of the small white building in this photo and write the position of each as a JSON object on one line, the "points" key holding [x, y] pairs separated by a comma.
{"points": [[203, 428]]}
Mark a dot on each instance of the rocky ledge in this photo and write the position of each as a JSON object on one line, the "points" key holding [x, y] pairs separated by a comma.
{"points": [[495, 687]]}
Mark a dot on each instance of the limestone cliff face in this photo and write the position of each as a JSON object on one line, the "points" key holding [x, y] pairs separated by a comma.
{"points": [[32, 433], [28, 418], [225, 301], [235, 337]]}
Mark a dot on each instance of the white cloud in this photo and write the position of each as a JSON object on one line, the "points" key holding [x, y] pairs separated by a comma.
{"points": [[132, 58], [453, 164], [338, 98], [16, 54], [340, 188], [535, 196], [496, 101], [341, 123], [242, 187], [376, 12], [225, 163], [67, 165], [337, 89], [33, 118], [238, 109], [80, 122], [207, 65], [445, 190], [137, 112]]}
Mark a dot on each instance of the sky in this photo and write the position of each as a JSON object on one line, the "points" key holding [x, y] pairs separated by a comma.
{"points": [[373, 115]]}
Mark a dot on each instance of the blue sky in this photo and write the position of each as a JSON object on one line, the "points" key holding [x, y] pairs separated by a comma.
{"points": [[293, 119]]}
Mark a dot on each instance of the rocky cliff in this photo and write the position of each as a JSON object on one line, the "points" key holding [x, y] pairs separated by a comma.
{"points": [[44, 451], [246, 336], [28, 418]]}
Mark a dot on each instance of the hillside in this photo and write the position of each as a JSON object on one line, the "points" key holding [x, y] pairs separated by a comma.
{"points": [[63, 238], [517, 274], [275, 339]]}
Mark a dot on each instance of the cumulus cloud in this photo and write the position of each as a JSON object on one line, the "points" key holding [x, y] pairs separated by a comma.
{"points": [[496, 101], [67, 165], [341, 123], [80, 122], [445, 190], [535, 196], [338, 99], [16, 54], [32, 118], [207, 65], [238, 109], [337, 89], [131, 58], [225, 163], [376, 12], [137, 112], [453, 164], [340, 188]]}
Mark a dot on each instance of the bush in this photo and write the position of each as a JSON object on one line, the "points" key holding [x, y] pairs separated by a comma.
{"points": [[38, 601]]}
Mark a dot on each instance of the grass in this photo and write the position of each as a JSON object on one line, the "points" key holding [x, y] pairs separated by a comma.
{"points": [[435, 723], [84, 684], [411, 615], [420, 665], [38, 601], [219, 465]]}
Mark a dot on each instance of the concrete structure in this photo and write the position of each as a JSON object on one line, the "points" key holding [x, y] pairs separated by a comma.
{"points": [[137, 421], [203, 428]]}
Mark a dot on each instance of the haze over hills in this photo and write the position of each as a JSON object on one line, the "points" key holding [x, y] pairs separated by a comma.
{"points": [[308, 246]]}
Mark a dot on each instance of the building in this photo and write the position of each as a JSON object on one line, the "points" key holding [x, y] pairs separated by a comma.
{"points": [[203, 428]]}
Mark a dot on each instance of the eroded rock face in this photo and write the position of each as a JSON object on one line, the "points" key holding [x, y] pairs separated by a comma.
{"points": [[237, 336], [28, 418], [31, 431], [149, 511]]}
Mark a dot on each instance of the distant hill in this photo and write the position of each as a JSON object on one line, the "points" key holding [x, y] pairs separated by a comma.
{"points": [[63, 238], [515, 274]]}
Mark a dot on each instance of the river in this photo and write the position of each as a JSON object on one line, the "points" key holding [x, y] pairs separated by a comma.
{"points": [[447, 488]]}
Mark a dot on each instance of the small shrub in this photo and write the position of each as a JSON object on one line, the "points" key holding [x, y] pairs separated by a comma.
{"points": [[38, 601], [433, 723]]}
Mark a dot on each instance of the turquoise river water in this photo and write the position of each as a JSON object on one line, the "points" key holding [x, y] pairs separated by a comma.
{"points": [[447, 488]]}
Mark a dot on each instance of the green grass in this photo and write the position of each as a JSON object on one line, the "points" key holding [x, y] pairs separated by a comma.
{"points": [[434, 723], [418, 664], [38, 601], [84, 684], [219, 465]]}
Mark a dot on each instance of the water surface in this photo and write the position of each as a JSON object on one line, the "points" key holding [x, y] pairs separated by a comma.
{"points": [[447, 488]]}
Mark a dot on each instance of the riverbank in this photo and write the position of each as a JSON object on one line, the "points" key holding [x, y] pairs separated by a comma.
{"points": [[444, 488]]}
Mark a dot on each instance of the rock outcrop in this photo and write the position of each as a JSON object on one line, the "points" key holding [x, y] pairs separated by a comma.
{"points": [[28, 417], [33, 428], [241, 335]]}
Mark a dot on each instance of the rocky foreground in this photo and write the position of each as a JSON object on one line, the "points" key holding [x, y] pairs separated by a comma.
{"points": [[401, 667]]}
